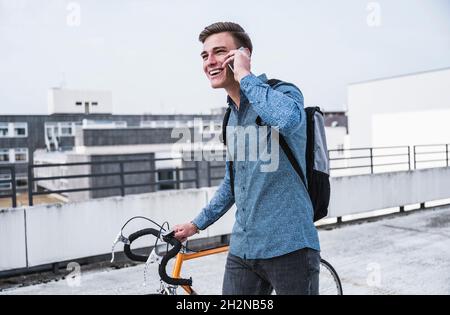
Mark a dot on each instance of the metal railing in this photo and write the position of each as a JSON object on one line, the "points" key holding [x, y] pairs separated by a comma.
{"points": [[120, 174], [352, 161], [437, 154], [370, 160]]}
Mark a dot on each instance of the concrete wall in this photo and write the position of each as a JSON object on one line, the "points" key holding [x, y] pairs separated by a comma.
{"points": [[12, 239], [60, 232], [69, 231], [361, 193]]}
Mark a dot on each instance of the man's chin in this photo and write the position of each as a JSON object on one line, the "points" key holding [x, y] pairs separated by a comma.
{"points": [[217, 85]]}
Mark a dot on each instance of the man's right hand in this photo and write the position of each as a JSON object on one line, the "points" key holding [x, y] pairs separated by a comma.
{"points": [[185, 230]]}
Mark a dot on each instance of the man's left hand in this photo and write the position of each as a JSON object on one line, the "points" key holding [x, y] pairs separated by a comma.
{"points": [[242, 62]]}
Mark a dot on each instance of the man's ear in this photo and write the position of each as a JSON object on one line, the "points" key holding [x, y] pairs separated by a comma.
{"points": [[249, 53]]}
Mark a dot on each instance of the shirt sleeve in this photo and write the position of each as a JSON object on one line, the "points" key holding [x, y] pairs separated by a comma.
{"points": [[221, 202], [281, 108]]}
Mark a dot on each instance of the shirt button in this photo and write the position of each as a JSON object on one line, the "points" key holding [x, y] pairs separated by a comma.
{"points": [[243, 188], [243, 209]]}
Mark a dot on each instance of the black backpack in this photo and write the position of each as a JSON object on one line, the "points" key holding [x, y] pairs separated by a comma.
{"points": [[317, 160]]}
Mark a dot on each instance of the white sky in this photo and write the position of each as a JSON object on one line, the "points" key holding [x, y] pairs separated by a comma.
{"points": [[147, 52]]}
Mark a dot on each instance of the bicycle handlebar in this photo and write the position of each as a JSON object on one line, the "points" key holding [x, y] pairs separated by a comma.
{"points": [[169, 255]]}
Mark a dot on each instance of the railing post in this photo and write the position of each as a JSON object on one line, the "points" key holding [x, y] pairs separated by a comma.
{"points": [[177, 177], [30, 184], [414, 156], [209, 173], [409, 158], [446, 153], [122, 180], [13, 186], [371, 160], [197, 177]]}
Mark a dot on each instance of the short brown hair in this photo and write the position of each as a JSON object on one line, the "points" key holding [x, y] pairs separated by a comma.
{"points": [[239, 35]]}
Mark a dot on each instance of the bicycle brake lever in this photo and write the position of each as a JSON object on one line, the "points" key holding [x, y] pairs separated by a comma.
{"points": [[119, 238], [152, 258], [165, 236]]}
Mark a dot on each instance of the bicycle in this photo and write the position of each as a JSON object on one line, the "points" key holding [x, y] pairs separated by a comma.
{"points": [[329, 281]]}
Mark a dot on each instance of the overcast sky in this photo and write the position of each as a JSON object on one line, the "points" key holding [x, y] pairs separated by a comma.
{"points": [[147, 52]]}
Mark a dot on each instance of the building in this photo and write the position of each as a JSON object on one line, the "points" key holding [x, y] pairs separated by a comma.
{"points": [[22, 135], [409, 109]]}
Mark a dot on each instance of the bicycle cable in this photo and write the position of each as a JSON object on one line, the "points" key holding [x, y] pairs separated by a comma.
{"points": [[120, 237]]}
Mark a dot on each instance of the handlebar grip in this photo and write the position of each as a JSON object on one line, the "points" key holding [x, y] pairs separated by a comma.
{"points": [[169, 255], [135, 236]]}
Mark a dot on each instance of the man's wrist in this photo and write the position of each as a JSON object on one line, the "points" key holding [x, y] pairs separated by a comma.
{"points": [[197, 230], [243, 75]]}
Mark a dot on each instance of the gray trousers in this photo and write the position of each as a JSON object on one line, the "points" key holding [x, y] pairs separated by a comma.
{"points": [[293, 273]]}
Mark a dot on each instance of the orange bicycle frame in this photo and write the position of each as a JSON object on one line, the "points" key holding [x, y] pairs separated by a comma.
{"points": [[181, 257]]}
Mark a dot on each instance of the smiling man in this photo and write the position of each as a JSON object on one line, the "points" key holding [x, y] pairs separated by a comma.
{"points": [[274, 244]]}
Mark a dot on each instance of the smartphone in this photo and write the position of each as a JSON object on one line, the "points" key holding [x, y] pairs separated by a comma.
{"points": [[231, 65]]}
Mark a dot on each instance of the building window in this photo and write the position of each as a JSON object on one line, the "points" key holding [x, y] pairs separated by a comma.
{"points": [[78, 103], [94, 103], [21, 182], [4, 155], [3, 129], [66, 130], [14, 129], [164, 175], [20, 130], [21, 155], [5, 185]]}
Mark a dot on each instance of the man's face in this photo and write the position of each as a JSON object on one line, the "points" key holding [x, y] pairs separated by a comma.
{"points": [[214, 51]]}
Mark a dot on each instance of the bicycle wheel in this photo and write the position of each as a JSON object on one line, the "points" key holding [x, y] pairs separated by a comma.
{"points": [[329, 282]]}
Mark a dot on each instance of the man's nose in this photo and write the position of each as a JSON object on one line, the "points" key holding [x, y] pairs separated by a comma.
{"points": [[211, 60]]}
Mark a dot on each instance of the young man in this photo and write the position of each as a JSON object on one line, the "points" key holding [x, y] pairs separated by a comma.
{"points": [[274, 244]]}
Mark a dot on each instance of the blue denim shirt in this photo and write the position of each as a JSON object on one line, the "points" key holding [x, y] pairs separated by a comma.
{"points": [[274, 213]]}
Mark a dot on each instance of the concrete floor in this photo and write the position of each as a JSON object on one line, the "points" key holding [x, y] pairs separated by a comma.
{"points": [[407, 254]]}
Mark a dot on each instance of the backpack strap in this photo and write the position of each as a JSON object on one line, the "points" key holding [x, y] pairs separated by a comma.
{"points": [[273, 82], [290, 155], [226, 118]]}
